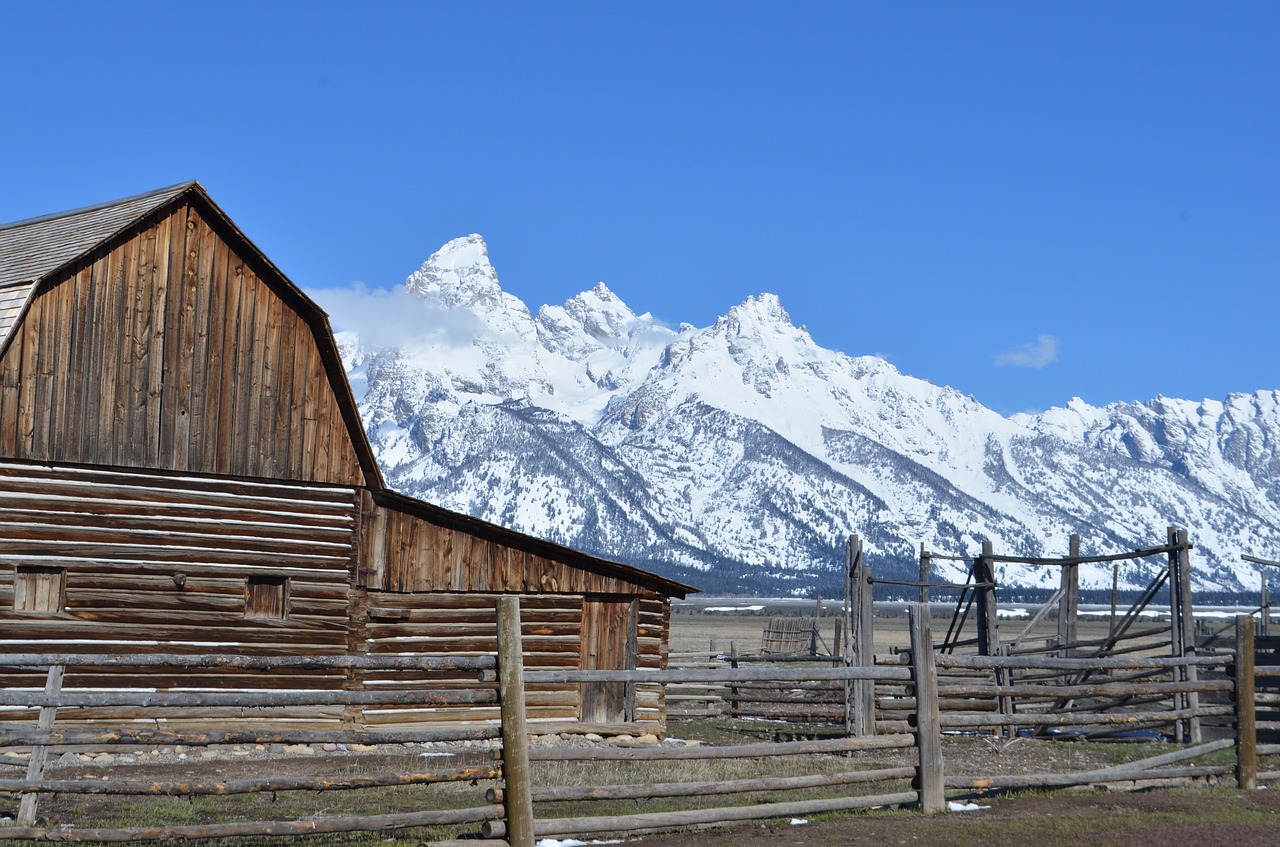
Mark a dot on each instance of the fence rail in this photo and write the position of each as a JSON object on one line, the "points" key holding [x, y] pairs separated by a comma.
{"points": [[921, 695], [45, 737]]}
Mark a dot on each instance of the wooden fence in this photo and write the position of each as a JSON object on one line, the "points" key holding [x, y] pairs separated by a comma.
{"points": [[923, 691], [124, 733]]}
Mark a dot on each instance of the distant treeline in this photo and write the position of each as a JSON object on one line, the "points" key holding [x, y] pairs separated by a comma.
{"points": [[829, 584]]}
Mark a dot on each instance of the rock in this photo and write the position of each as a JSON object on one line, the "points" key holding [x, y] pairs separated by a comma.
{"points": [[593, 737], [298, 750], [647, 740], [329, 747]]}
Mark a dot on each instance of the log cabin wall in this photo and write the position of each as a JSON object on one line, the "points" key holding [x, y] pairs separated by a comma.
{"points": [[169, 349], [431, 588], [465, 624], [157, 562], [182, 468]]}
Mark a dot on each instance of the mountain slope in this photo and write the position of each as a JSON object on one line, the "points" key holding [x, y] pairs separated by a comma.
{"points": [[741, 455]]}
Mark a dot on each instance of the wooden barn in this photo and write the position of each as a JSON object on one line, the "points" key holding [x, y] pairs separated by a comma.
{"points": [[183, 468]]}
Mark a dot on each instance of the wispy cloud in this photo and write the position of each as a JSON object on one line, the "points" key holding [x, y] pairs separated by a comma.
{"points": [[1037, 354], [394, 317]]}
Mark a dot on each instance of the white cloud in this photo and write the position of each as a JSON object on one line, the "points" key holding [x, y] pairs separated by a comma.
{"points": [[394, 317], [1037, 354]]}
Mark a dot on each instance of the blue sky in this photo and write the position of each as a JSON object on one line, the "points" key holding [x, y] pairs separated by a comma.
{"points": [[1026, 201]]}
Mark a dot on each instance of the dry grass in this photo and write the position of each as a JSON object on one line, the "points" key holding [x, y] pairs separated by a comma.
{"points": [[708, 631]]}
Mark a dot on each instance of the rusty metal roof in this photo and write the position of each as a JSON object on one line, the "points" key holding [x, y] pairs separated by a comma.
{"points": [[33, 249]]}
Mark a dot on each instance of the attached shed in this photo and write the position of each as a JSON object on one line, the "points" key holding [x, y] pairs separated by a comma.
{"points": [[183, 468]]}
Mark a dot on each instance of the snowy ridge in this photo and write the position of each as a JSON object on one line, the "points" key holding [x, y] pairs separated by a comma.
{"points": [[743, 454]]}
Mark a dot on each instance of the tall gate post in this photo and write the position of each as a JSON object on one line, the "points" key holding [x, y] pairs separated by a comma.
{"points": [[515, 736], [1069, 604], [1183, 621], [860, 694], [1246, 707], [929, 779], [926, 572], [984, 577]]}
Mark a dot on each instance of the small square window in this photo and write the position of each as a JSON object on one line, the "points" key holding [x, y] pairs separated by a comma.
{"points": [[267, 598], [39, 590]]}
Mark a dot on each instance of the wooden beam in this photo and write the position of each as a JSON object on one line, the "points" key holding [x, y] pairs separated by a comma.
{"points": [[1069, 602], [929, 778], [515, 735], [1246, 707], [40, 755]]}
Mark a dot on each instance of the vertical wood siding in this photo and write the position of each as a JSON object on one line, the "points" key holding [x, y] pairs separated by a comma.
{"points": [[170, 352], [403, 552]]}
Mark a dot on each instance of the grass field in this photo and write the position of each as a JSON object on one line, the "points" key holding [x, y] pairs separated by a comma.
{"points": [[707, 631]]}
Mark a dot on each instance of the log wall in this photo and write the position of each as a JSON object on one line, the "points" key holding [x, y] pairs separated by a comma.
{"points": [[171, 351], [455, 624], [164, 563]]}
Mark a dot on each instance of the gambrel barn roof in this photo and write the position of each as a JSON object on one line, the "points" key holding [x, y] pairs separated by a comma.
{"points": [[51, 248], [37, 248]]}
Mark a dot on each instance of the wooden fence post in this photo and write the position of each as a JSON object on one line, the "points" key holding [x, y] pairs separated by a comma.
{"points": [[1183, 622], [733, 689], [1069, 603], [929, 779], [518, 795], [926, 572], [1005, 676], [860, 695], [1264, 619], [851, 548], [1246, 707], [984, 574]]}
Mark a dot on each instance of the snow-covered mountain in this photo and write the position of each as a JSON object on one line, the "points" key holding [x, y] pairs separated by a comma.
{"points": [[742, 455]]}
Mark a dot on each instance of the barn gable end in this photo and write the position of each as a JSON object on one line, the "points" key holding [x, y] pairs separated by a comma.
{"points": [[171, 345]]}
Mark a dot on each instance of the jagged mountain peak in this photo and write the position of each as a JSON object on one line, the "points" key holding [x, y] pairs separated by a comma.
{"points": [[757, 313], [747, 451], [460, 275], [598, 312]]}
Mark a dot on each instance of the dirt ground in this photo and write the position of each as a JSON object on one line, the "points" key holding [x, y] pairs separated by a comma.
{"points": [[1158, 818]]}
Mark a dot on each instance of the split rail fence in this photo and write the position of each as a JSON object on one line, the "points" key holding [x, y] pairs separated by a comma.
{"points": [[518, 808]]}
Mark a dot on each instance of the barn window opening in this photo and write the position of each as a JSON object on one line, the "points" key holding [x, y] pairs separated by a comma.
{"points": [[267, 598], [39, 590]]}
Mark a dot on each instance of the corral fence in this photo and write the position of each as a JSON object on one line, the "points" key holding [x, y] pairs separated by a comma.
{"points": [[31, 746], [518, 807]]}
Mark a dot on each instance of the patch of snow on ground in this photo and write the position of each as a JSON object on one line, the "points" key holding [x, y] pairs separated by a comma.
{"points": [[954, 806], [798, 821], [572, 842], [734, 609]]}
